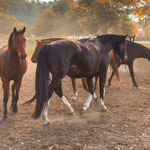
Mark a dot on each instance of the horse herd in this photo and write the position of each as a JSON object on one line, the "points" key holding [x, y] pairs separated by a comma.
{"points": [[86, 58]]}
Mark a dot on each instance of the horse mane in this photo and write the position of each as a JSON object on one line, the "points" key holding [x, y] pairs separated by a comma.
{"points": [[10, 40], [11, 37], [137, 44], [51, 39], [109, 37]]}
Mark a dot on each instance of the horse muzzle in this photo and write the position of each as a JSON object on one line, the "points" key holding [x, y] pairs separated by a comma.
{"points": [[124, 59], [33, 59], [23, 56]]}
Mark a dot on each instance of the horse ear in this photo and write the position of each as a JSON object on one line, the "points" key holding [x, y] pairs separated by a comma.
{"points": [[15, 30], [125, 36], [99, 36], [24, 29], [37, 41]]}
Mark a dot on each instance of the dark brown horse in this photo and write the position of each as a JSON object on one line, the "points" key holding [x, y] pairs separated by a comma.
{"points": [[134, 51], [12, 67], [76, 60], [40, 43]]}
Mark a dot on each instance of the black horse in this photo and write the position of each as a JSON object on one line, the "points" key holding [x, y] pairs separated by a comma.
{"points": [[134, 50], [77, 60], [132, 38]]}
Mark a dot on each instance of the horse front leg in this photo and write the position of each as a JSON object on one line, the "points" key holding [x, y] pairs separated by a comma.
{"points": [[13, 95], [102, 79], [112, 75], [5, 99], [17, 85], [130, 66], [74, 85], [90, 95]]}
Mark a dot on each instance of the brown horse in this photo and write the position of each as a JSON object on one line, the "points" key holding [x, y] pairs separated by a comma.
{"points": [[40, 43], [12, 67]]}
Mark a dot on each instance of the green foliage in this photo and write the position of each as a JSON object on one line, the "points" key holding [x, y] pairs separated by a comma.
{"points": [[7, 23]]}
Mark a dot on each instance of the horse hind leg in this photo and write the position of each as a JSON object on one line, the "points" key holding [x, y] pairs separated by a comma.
{"points": [[13, 94], [45, 114], [90, 95], [74, 85], [55, 85], [16, 87], [102, 79], [59, 92], [51, 89], [95, 87]]}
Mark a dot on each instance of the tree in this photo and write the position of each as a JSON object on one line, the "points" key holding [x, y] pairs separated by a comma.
{"points": [[7, 23], [4, 5], [46, 24]]}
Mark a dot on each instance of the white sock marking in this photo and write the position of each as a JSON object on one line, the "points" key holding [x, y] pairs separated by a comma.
{"points": [[87, 104], [63, 98], [103, 105], [95, 96], [74, 97], [45, 112]]}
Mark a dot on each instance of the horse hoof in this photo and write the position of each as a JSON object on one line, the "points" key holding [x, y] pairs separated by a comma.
{"points": [[95, 98], [73, 113], [11, 108], [4, 120], [46, 123], [104, 109], [108, 86], [15, 110], [81, 112], [73, 100]]}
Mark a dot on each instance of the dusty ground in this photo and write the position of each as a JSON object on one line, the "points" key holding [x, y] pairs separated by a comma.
{"points": [[126, 125]]}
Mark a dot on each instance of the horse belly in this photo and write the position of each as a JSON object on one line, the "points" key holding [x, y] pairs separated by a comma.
{"points": [[80, 72]]}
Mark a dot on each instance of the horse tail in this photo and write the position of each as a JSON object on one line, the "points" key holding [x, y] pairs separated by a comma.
{"points": [[41, 81], [30, 101], [114, 65]]}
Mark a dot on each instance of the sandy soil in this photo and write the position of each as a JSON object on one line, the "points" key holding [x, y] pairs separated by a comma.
{"points": [[126, 125]]}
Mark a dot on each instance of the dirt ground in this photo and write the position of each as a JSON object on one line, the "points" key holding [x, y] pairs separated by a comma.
{"points": [[125, 126]]}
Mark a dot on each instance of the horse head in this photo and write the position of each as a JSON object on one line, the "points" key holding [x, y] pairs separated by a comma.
{"points": [[17, 41], [36, 51], [120, 48], [132, 38]]}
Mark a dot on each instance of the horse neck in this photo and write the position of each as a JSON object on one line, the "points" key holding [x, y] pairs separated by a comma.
{"points": [[142, 52], [12, 53], [108, 47]]}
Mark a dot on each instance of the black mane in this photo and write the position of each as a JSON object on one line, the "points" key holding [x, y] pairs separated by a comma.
{"points": [[110, 37]]}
